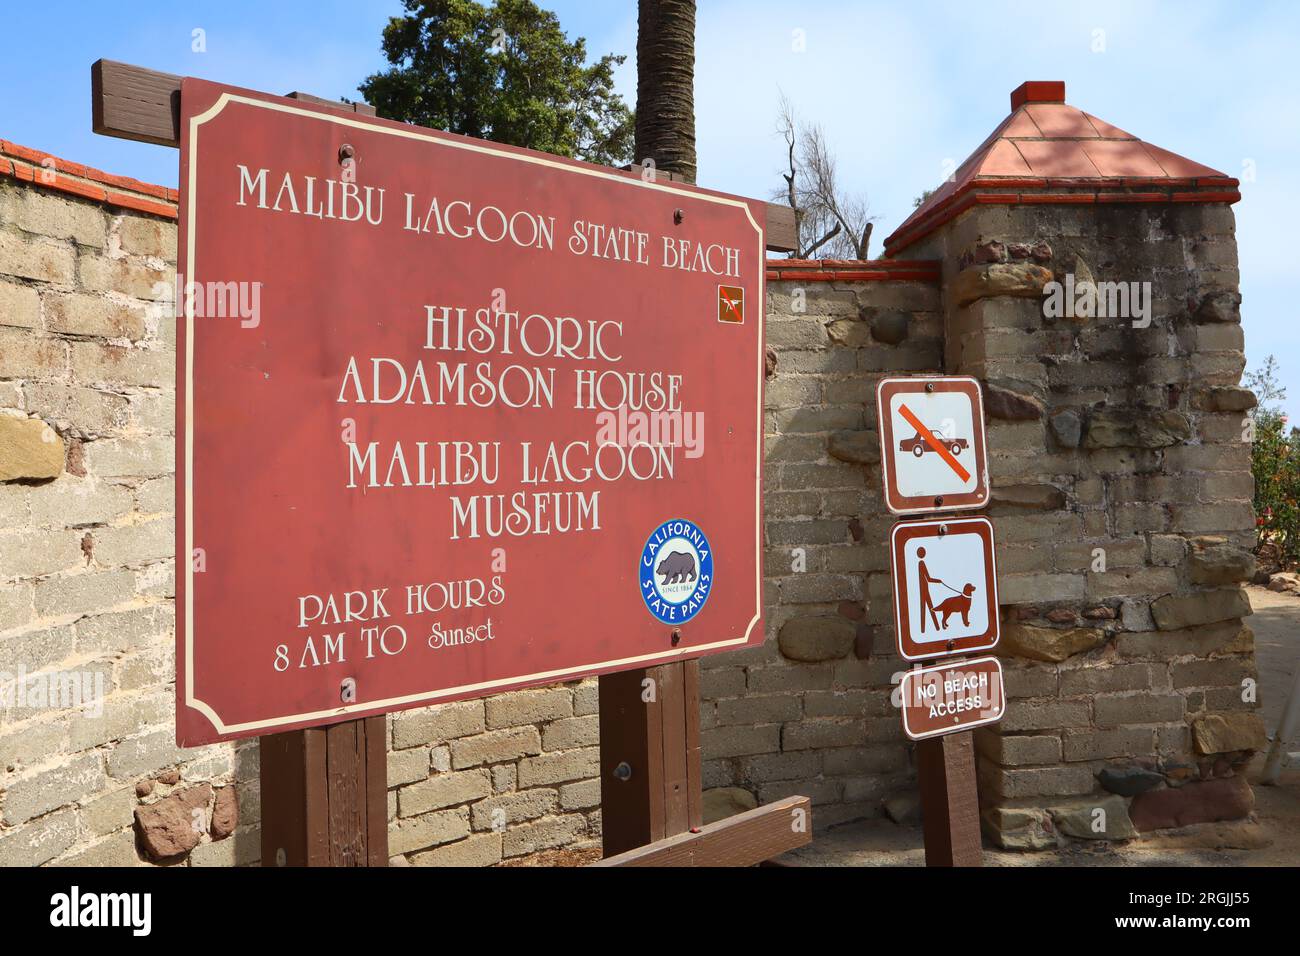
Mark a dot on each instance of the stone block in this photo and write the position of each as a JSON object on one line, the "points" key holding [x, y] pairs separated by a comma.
{"points": [[20, 306], [495, 746], [817, 638], [29, 448], [428, 830], [1173, 612], [438, 724], [1013, 828], [543, 835], [1113, 710], [528, 707], [482, 849], [1025, 280], [75, 313], [495, 813], [1228, 732], [1047, 643], [1108, 744], [549, 769], [1098, 818], [44, 260], [443, 790], [1207, 801]]}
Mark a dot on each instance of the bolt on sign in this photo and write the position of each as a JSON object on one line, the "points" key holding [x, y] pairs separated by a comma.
{"points": [[494, 420], [952, 696], [945, 587], [932, 443]]}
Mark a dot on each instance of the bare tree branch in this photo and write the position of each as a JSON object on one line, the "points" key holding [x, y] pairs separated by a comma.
{"points": [[807, 253], [825, 216]]}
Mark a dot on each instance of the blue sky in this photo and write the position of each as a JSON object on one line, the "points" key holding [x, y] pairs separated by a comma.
{"points": [[900, 89]]}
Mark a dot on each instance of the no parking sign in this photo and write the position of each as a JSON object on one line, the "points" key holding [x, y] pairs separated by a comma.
{"points": [[932, 444]]}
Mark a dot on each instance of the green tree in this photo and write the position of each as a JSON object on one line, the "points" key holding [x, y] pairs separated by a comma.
{"points": [[504, 72], [1275, 463]]}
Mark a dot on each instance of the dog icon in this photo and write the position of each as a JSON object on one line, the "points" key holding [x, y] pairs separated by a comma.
{"points": [[957, 604]]}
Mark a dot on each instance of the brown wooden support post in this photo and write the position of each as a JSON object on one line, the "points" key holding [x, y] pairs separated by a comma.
{"points": [[324, 790], [945, 768], [649, 755], [325, 795]]}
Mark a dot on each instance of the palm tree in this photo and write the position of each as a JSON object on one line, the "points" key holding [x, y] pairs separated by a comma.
{"points": [[665, 85]]}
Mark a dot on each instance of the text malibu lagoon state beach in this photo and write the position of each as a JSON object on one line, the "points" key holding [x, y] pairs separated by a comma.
{"points": [[461, 219]]}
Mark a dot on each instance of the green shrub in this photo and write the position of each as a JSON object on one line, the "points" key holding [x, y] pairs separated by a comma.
{"points": [[1275, 463]]}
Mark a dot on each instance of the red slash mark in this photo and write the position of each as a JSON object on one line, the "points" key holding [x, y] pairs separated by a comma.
{"points": [[934, 443], [731, 306]]}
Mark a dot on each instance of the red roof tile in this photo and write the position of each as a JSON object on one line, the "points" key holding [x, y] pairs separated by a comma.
{"points": [[1046, 138], [63, 175]]}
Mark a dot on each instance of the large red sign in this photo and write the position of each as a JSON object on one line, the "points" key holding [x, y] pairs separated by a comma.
{"points": [[453, 417]]}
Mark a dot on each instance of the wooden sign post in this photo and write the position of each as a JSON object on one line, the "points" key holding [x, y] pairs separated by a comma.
{"points": [[325, 795], [934, 459], [658, 277]]}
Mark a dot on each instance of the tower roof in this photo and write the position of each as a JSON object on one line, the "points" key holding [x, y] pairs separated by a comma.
{"points": [[1048, 151]]}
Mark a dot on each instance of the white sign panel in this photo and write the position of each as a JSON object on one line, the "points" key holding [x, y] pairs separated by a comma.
{"points": [[945, 587], [932, 444]]}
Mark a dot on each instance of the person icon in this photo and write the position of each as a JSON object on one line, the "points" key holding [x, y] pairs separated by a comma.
{"points": [[925, 579]]}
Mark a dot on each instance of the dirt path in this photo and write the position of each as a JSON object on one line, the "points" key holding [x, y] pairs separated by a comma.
{"points": [[1272, 838], [1276, 623]]}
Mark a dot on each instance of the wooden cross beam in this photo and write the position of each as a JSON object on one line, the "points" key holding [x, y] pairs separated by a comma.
{"points": [[746, 839], [131, 102]]}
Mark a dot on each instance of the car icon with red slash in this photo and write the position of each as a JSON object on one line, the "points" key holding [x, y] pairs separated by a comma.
{"points": [[918, 445]]}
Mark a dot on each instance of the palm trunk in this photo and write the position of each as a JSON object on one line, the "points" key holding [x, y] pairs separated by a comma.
{"points": [[665, 85]]}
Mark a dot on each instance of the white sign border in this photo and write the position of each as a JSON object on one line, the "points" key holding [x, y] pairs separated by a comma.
{"points": [[995, 613], [229, 96], [916, 672], [984, 480]]}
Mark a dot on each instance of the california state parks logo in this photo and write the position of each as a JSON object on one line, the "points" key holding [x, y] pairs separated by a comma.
{"points": [[676, 571]]}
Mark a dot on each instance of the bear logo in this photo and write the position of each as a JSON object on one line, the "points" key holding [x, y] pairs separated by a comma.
{"points": [[675, 573], [676, 568]]}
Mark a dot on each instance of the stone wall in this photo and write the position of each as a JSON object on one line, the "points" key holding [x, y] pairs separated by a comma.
{"points": [[1129, 681], [87, 457], [1122, 498], [809, 712]]}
